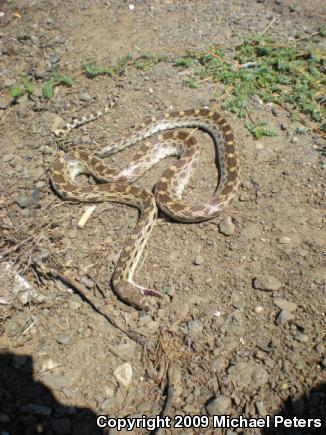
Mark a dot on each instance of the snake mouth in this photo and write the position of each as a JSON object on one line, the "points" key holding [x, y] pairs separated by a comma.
{"points": [[150, 292]]}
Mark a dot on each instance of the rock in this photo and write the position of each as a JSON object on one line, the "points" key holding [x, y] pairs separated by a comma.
{"points": [[198, 260], [284, 317], [8, 83], [56, 382], [24, 201], [195, 327], [283, 304], [8, 157], [226, 226], [123, 374], [259, 309], [84, 96], [35, 40], [303, 338], [53, 58], [126, 350], [40, 184], [284, 240], [219, 405], [248, 375], [323, 363], [266, 282], [261, 409], [61, 426], [170, 291], [64, 339], [36, 196], [33, 408], [320, 348], [89, 283], [5, 101], [144, 320]]}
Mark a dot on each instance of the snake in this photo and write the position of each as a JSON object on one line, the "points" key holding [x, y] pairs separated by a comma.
{"points": [[161, 135]]}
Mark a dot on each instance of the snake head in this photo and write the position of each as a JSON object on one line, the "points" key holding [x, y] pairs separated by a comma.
{"points": [[135, 295]]}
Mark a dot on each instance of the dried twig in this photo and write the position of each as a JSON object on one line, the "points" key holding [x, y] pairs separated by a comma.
{"points": [[82, 291], [269, 25]]}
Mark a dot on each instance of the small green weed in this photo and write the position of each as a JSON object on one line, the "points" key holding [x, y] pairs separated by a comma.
{"points": [[25, 87], [260, 129], [185, 61], [94, 71], [148, 60], [56, 80]]}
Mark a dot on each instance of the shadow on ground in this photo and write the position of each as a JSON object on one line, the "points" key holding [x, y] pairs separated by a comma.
{"points": [[29, 407], [311, 405]]}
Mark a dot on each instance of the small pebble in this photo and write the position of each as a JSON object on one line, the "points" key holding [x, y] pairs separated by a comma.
{"points": [[219, 405], [23, 201], [226, 226], [89, 283], [284, 240], [64, 339], [284, 317], [266, 282], [283, 304], [84, 96], [195, 327], [198, 260], [55, 382], [18, 168], [320, 348], [259, 309], [8, 157], [303, 338], [131, 7], [123, 374], [39, 184], [53, 58]]}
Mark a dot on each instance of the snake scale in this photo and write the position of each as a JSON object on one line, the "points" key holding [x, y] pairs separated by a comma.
{"points": [[160, 139]]}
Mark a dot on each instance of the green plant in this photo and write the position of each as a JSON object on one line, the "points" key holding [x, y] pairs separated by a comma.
{"points": [[147, 60], [281, 74], [56, 80], [186, 61], [25, 87], [93, 70], [260, 129]]}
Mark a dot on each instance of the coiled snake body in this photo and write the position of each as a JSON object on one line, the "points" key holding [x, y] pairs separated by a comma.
{"points": [[115, 185]]}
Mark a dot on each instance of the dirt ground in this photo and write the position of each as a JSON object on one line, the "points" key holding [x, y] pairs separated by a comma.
{"points": [[242, 322]]}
